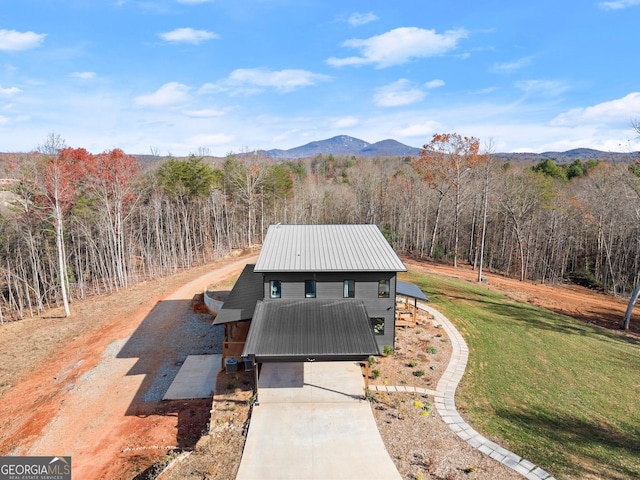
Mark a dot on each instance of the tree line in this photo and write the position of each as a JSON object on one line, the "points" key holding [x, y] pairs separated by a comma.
{"points": [[82, 224]]}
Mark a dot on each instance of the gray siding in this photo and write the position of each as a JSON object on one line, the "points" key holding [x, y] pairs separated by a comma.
{"points": [[329, 286]]}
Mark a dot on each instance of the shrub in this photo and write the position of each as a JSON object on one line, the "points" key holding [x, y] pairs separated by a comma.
{"points": [[371, 360], [432, 350], [375, 373], [584, 278], [412, 363], [368, 395], [418, 373], [387, 350]]}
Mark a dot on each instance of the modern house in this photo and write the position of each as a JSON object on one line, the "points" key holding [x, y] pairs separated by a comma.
{"points": [[316, 293]]}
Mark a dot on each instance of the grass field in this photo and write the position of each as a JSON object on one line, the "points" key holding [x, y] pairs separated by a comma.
{"points": [[558, 392]]}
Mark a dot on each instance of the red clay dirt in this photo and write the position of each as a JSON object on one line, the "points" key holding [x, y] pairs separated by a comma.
{"points": [[73, 392], [586, 305], [84, 400]]}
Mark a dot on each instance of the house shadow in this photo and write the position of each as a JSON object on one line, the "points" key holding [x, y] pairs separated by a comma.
{"points": [[171, 332]]}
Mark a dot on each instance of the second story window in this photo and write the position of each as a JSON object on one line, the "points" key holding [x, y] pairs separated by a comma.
{"points": [[310, 289], [349, 289], [384, 288], [275, 288]]}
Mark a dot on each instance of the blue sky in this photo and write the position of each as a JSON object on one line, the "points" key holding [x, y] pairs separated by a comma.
{"points": [[221, 76]]}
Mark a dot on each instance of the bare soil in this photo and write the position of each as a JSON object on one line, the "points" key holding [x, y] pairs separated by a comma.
{"points": [[581, 303], [77, 386], [67, 389]]}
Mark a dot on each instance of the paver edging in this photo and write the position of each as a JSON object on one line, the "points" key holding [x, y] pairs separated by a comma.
{"points": [[445, 404]]}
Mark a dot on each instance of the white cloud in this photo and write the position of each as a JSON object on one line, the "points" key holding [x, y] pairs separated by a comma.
{"points": [[7, 92], [618, 4], [11, 40], [512, 66], [187, 35], [484, 91], [83, 75], [345, 122], [435, 83], [358, 19], [546, 88], [254, 80], [169, 94], [397, 94], [618, 111], [399, 46]]}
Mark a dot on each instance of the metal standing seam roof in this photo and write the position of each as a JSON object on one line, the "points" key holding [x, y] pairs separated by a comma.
{"points": [[410, 290], [304, 330], [322, 248], [241, 302]]}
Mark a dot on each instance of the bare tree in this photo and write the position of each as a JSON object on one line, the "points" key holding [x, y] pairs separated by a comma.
{"points": [[485, 202], [626, 321], [56, 187]]}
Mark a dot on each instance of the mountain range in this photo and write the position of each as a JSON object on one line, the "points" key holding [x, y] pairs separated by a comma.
{"points": [[351, 146], [346, 145]]}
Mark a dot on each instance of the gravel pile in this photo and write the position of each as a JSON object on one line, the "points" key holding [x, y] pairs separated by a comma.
{"points": [[197, 336]]}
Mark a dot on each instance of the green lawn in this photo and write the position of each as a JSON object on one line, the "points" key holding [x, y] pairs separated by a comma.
{"points": [[560, 393]]}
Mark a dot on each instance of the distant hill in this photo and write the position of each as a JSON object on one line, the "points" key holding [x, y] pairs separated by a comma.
{"points": [[572, 155], [345, 145]]}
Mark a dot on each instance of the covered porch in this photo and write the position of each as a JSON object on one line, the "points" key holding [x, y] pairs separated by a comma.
{"points": [[407, 296], [286, 331], [237, 311]]}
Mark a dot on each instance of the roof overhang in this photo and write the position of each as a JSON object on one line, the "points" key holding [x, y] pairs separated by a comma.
{"points": [[410, 290], [310, 330], [242, 300]]}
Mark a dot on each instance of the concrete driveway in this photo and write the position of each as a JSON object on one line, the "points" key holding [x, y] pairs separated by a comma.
{"points": [[313, 424]]}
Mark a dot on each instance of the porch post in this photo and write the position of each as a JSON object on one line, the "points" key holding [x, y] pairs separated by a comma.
{"points": [[256, 367]]}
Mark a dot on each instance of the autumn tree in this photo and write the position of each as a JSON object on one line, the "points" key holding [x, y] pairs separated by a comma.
{"points": [[110, 180], [445, 164], [61, 170]]}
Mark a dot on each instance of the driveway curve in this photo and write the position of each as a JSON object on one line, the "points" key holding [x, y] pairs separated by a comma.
{"points": [[312, 423]]}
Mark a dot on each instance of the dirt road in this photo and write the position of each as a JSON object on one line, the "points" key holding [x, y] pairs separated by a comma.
{"points": [[94, 399]]}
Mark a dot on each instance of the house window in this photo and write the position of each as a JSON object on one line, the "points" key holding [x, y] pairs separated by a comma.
{"points": [[377, 325], [275, 288], [349, 289], [384, 286], [310, 289]]}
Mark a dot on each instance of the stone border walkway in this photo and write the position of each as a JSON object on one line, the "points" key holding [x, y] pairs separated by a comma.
{"points": [[446, 407]]}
